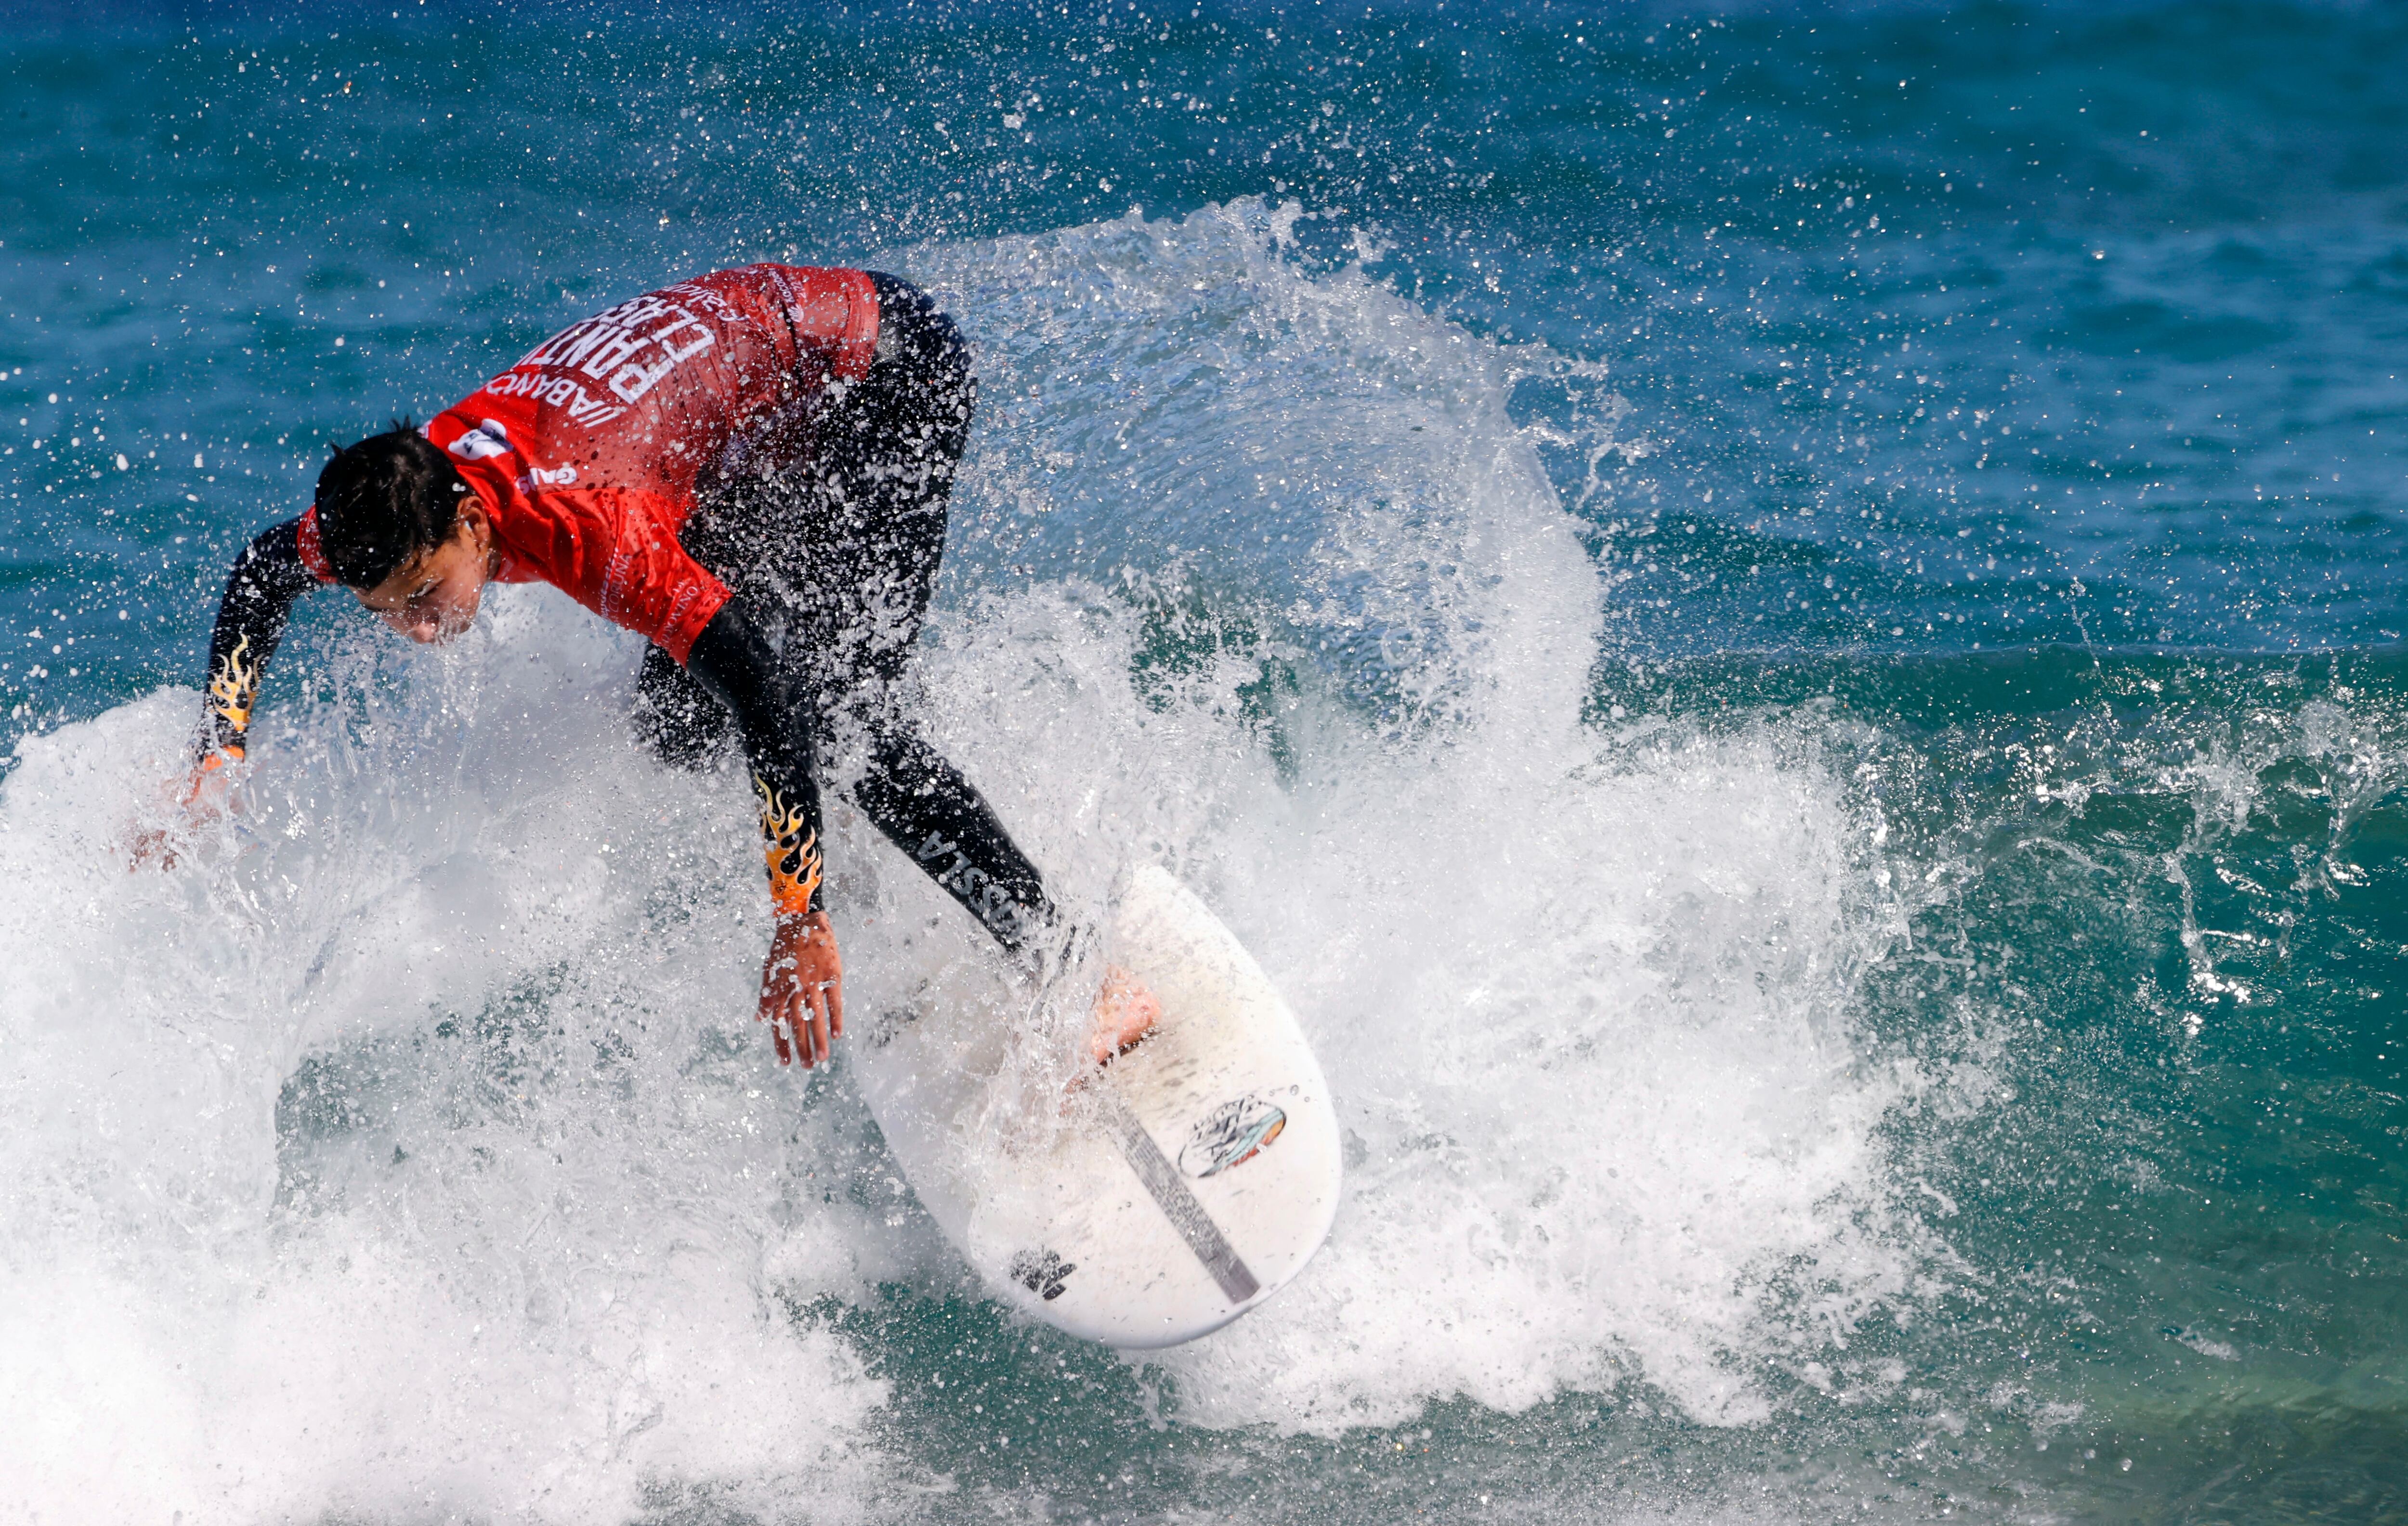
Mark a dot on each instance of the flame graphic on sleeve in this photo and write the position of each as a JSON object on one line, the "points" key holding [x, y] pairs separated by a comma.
{"points": [[234, 688], [792, 853]]}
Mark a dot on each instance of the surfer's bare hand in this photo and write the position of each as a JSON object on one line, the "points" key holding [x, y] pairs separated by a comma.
{"points": [[199, 795], [802, 988]]}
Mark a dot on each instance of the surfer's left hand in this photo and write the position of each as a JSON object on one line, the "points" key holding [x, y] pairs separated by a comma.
{"points": [[802, 988]]}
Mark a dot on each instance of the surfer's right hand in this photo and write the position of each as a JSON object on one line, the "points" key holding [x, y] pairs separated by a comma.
{"points": [[202, 793], [802, 988]]}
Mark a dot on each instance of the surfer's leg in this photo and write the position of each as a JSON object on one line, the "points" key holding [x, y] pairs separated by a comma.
{"points": [[890, 448], [839, 558], [937, 818], [834, 556]]}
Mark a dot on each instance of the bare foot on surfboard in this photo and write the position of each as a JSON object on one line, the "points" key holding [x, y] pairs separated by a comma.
{"points": [[1125, 1013]]}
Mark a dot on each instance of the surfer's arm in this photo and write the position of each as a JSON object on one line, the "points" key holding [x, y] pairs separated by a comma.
{"points": [[802, 992], [266, 577]]}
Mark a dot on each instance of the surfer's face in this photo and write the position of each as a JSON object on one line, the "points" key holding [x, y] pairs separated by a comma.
{"points": [[433, 596]]}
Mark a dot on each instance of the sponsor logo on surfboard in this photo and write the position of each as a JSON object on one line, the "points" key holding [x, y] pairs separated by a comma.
{"points": [[1043, 1274], [1230, 1135]]}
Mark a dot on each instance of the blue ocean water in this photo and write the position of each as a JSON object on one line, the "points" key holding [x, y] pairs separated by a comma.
{"points": [[1779, 621]]}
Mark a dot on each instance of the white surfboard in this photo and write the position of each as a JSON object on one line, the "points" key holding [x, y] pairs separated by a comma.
{"points": [[1158, 1200]]}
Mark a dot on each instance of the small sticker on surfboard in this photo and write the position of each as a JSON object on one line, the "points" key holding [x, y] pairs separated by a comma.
{"points": [[1043, 1274], [1230, 1135]]}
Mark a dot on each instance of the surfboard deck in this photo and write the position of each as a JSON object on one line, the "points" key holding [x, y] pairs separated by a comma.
{"points": [[1157, 1200]]}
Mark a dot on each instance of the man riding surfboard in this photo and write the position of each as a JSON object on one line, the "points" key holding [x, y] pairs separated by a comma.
{"points": [[751, 469]]}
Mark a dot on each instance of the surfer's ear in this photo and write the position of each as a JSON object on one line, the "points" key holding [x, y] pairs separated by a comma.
{"points": [[472, 524]]}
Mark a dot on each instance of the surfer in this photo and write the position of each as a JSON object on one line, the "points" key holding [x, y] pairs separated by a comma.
{"points": [[751, 469]]}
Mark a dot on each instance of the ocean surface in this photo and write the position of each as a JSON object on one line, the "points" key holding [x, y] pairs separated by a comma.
{"points": [[1783, 623]]}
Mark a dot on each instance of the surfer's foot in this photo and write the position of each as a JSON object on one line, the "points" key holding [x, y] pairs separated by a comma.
{"points": [[1125, 1013]]}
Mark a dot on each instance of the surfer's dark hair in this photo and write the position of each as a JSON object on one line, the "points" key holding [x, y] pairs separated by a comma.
{"points": [[384, 500]]}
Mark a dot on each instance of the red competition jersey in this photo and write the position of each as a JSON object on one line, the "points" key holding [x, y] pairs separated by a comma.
{"points": [[587, 454]]}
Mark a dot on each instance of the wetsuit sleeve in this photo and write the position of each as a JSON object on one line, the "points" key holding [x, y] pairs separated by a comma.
{"points": [[733, 660], [266, 577]]}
